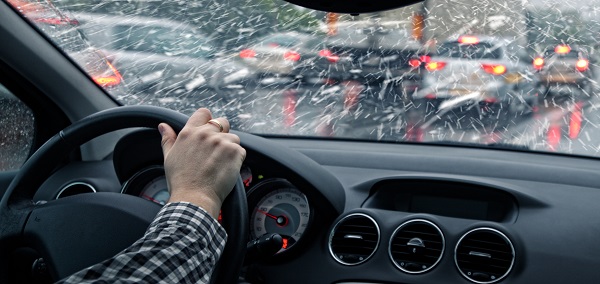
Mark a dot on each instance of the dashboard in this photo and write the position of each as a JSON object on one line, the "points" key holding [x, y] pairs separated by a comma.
{"points": [[352, 213]]}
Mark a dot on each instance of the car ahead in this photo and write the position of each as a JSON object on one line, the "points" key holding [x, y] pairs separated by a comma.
{"points": [[366, 51], [484, 75], [564, 65], [82, 173], [278, 55], [159, 56]]}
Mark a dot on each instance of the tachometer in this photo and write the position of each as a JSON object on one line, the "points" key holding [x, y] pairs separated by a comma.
{"points": [[156, 191], [281, 209]]}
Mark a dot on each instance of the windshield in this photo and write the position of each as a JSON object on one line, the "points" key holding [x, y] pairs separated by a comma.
{"points": [[474, 73], [471, 51]]}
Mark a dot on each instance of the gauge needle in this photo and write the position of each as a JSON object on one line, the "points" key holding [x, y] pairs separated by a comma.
{"points": [[281, 221], [150, 198], [268, 215]]}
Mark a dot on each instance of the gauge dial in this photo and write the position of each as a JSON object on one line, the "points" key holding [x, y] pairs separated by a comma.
{"points": [[283, 210], [156, 191]]}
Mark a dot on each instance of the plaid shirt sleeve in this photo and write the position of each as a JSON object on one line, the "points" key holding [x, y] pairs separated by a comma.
{"points": [[182, 245]]}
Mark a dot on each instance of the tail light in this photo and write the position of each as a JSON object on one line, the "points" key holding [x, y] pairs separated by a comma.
{"points": [[247, 53], [425, 58], [562, 49], [435, 66], [109, 80], [329, 55], [414, 63], [494, 69], [291, 55], [468, 40], [582, 65], [538, 63], [490, 100]]}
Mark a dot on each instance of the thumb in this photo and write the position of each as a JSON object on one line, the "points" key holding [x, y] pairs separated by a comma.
{"points": [[168, 137]]}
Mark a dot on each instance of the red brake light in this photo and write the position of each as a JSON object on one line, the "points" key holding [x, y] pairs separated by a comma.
{"points": [[291, 55], [562, 49], [435, 66], [414, 63], [582, 65], [325, 53], [247, 53], [538, 63], [468, 40], [329, 55], [494, 69], [109, 80], [490, 100], [425, 58]]}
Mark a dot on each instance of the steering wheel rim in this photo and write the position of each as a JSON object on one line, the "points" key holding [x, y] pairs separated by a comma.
{"points": [[22, 218]]}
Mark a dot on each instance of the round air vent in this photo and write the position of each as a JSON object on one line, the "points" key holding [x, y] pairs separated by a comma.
{"points": [[416, 246], [75, 188], [354, 239], [484, 255]]}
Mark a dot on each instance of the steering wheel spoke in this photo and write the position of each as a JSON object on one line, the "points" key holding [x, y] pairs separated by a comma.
{"points": [[82, 230]]}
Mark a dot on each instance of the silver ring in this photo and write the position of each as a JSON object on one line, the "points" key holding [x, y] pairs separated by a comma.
{"points": [[217, 124]]}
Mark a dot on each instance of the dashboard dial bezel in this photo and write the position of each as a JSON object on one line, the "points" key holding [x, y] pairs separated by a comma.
{"points": [[141, 179], [259, 191]]}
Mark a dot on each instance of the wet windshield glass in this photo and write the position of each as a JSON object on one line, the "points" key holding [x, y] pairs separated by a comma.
{"points": [[472, 51], [482, 73]]}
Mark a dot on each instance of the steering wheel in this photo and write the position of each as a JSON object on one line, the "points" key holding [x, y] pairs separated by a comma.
{"points": [[75, 232]]}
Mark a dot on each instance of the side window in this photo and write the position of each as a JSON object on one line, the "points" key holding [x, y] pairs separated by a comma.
{"points": [[16, 131]]}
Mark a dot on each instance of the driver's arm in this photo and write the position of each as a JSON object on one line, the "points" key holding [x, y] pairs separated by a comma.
{"points": [[184, 241]]}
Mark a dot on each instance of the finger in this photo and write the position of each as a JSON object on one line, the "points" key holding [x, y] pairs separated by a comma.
{"points": [[168, 137], [231, 138], [220, 121], [200, 117]]}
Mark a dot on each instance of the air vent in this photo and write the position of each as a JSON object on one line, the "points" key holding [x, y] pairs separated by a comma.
{"points": [[484, 255], [354, 239], [417, 246], [75, 188]]}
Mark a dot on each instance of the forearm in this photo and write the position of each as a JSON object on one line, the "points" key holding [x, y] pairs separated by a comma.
{"points": [[182, 245]]}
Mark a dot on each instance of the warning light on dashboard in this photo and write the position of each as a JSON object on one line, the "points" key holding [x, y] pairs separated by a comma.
{"points": [[260, 176], [285, 243]]}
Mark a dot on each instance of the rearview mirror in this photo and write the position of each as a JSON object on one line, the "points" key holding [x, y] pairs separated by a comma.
{"points": [[352, 6]]}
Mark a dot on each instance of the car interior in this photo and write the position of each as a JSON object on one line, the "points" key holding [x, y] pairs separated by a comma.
{"points": [[364, 211]]}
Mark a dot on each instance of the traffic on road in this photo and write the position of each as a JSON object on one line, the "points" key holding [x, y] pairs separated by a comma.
{"points": [[381, 76]]}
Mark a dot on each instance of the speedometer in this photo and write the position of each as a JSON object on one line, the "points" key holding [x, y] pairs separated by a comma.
{"points": [[281, 209]]}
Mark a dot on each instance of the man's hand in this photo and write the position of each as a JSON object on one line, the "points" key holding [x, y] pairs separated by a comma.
{"points": [[201, 163]]}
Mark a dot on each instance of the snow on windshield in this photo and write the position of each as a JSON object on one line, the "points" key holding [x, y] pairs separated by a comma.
{"points": [[471, 72]]}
